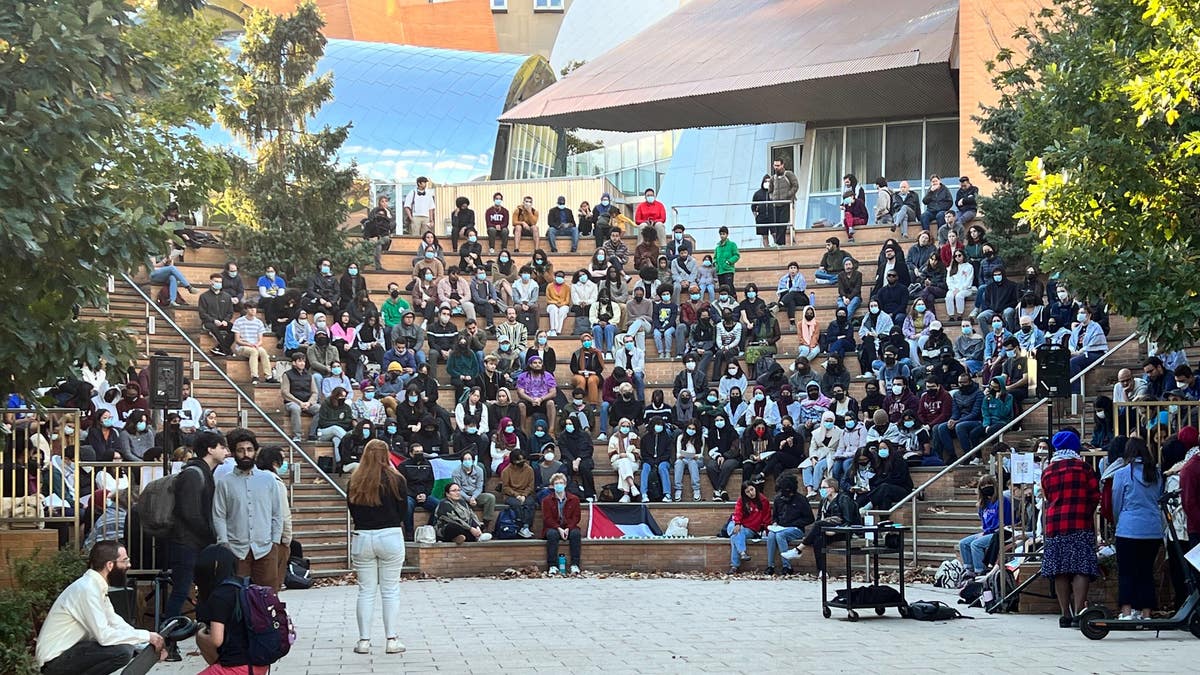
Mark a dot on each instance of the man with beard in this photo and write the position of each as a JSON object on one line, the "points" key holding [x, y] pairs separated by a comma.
{"points": [[246, 514], [536, 388], [82, 633]]}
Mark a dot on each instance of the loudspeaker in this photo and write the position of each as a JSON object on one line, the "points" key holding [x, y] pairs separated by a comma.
{"points": [[1053, 371], [166, 382]]}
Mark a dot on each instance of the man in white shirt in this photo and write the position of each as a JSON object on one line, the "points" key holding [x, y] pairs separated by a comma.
{"points": [[246, 514], [633, 359], [419, 209], [189, 410], [248, 332], [82, 634]]}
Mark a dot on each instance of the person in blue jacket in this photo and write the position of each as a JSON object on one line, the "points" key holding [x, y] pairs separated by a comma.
{"points": [[973, 547], [1135, 492]]}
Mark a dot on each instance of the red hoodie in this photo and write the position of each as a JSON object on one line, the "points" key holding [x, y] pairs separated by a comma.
{"points": [[1189, 486], [757, 518]]}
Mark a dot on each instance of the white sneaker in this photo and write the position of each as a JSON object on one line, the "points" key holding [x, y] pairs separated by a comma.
{"points": [[667, 498], [624, 499], [525, 533], [608, 356], [486, 536], [790, 554], [645, 499], [634, 491], [602, 437], [363, 647], [394, 646], [695, 496], [553, 571], [678, 496], [574, 570]]}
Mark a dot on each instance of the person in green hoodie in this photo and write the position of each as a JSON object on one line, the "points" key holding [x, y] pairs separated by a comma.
{"points": [[393, 308], [725, 257]]}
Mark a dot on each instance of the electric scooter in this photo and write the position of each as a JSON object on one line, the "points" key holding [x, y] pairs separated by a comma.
{"points": [[1095, 622], [173, 630]]}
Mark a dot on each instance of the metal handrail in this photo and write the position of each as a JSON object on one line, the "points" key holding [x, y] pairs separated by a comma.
{"points": [[911, 497], [295, 447], [675, 211]]}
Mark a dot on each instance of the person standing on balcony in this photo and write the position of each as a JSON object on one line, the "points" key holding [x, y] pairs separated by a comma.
{"points": [[652, 213], [784, 186], [854, 205], [216, 315], [420, 208], [764, 211]]}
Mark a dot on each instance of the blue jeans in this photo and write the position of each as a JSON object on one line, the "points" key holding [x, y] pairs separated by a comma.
{"points": [[429, 505], [855, 303], [663, 340], [841, 469], [944, 437], [928, 216], [709, 290], [840, 347], [604, 336], [778, 542], [182, 559], [972, 548], [1080, 362], [554, 233], [639, 383], [681, 335], [604, 417], [737, 544], [173, 278], [664, 475], [814, 474], [825, 276]]}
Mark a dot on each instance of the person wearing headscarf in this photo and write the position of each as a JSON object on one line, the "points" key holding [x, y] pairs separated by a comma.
{"points": [[1072, 493]]}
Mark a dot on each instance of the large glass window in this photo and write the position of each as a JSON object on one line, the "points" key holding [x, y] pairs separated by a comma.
{"points": [[904, 147], [941, 149], [827, 161], [864, 153]]}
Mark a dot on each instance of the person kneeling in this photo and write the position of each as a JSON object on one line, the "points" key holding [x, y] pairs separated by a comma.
{"points": [[454, 519], [560, 522], [82, 633]]}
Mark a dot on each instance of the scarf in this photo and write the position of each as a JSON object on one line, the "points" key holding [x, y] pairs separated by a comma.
{"points": [[509, 440], [1060, 455]]}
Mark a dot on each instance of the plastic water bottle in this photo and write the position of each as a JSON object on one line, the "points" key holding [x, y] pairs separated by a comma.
{"points": [[562, 564]]}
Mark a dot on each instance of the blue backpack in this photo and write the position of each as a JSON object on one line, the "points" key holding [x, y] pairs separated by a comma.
{"points": [[507, 525]]}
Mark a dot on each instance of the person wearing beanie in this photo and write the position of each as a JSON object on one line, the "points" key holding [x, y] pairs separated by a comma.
{"points": [[1071, 492]]}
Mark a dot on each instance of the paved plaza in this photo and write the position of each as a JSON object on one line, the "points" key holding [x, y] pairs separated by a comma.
{"points": [[623, 625]]}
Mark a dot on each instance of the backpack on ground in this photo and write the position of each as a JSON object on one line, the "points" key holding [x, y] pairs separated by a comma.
{"points": [[932, 610], [610, 493], [269, 631], [298, 575], [507, 525], [950, 574], [654, 487], [156, 504], [993, 599], [971, 593]]}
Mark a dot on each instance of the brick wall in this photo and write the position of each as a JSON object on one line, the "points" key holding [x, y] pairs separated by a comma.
{"points": [[17, 544], [984, 28]]}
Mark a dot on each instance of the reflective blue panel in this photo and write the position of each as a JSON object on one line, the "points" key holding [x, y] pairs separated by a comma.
{"points": [[416, 111]]}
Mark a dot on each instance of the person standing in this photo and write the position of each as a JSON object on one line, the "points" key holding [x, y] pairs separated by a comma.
{"points": [[725, 258], [270, 460], [764, 211], [378, 500], [420, 208], [82, 634], [246, 513], [784, 186], [193, 530], [1072, 492], [651, 213], [560, 522], [1136, 488]]}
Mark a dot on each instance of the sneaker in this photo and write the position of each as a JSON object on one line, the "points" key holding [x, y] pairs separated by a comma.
{"points": [[296, 439], [645, 499], [590, 499], [525, 533], [769, 571], [574, 568], [678, 496], [733, 570], [786, 571], [486, 536], [362, 647], [394, 646], [272, 380], [254, 381], [216, 351], [553, 571], [1064, 622], [695, 496], [716, 496], [1126, 617], [667, 498], [744, 556], [634, 491], [624, 499], [608, 356], [602, 437]]}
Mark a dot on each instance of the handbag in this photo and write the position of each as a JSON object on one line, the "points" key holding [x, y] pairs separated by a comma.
{"points": [[425, 534]]}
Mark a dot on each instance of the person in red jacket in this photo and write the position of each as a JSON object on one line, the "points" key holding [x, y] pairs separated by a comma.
{"points": [[560, 522], [652, 212], [934, 406], [751, 516]]}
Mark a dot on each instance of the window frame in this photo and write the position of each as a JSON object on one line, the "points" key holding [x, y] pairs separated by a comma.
{"points": [[551, 6], [498, 6]]}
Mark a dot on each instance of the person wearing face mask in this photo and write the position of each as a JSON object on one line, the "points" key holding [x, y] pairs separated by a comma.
{"points": [[960, 284], [999, 297], [969, 348], [933, 408], [507, 439], [966, 418], [576, 446], [1087, 343], [587, 367], [701, 339], [837, 509], [540, 442], [536, 389], [651, 212], [496, 219], [462, 223], [893, 296], [350, 285], [842, 403], [728, 345], [560, 222], [639, 314], [731, 379], [689, 455], [584, 293], [270, 460], [891, 481], [839, 335], [656, 452], [335, 419], [691, 379], [1029, 336], [735, 409], [764, 211], [369, 407], [813, 405], [761, 406], [624, 455], [462, 367], [890, 367], [791, 514], [724, 449], [973, 547], [1013, 366], [998, 408], [138, 436], [708, 407], [322, 293], [825, 437], [664, 318], [899, 399], [875, 325], [646, 253], [417, 472], [615, 250], [336, 378], [525, 221], [914, 442], [605, 316], [854, 437], [453, 292], [471, 479], [560, 522], [558, 302], [216, 315], [549, 463], [685, 271]]}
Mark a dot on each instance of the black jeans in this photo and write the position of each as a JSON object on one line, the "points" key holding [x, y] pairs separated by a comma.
{"points": [[574, 543], [452, 530], [89, 658], [1135, 572], [791, 300], [724, 280], [182, 559], [815, 537], [718, 476]]}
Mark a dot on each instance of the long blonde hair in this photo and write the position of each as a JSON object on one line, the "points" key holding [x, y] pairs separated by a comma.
{"points": [[373, 472]]}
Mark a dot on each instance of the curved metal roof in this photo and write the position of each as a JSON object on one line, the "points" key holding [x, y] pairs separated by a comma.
{"points": [[416, 111]]}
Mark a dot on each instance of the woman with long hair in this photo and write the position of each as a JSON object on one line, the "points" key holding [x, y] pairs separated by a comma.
{"points": [[751, 517], [1135, 492], [960, 285], [378, 499], [973, 547]]}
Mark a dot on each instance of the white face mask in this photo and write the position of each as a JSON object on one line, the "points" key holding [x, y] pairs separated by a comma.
{"points": [[549, 457]]}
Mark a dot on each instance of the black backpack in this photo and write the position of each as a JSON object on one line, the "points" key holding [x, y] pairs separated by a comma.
{"points": [[932, 610]]}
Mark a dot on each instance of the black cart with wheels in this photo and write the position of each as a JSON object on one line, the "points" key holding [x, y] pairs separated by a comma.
{"points": [[888, 541]]}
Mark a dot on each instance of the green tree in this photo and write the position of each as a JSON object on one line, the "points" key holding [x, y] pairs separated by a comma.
{"points": [[1107, 140], [80, 185], [287, 205]]}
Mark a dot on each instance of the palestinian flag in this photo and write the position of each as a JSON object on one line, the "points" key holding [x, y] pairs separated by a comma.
{"points": [[621, 521], [442, 470]]}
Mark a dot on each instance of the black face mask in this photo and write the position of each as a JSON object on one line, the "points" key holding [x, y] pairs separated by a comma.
{"points": [[987, 492], [322, 341]]}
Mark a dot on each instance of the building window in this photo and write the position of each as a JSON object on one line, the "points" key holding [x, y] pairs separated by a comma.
{"points": [[547, 5], [827, 161], [499, 5]]}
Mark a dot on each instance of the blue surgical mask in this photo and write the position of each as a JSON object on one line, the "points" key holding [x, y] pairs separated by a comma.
{"points": [[336, 370], [539, 433], [503, 258], [908, 424], [354, 272], [1009, 353], [541, 339], [884, 452], [429, 277], [920, 308], [760, 397], [874, 310], [370, 395], [666, 298], [850, 424], [624, 429], [560, 280], [629, 346], [827, 425], [141, 426], [587, 344], [324, 269], [560, 488], [1081, 317], [691, 432], [391, 428], [482, 276], [283, 469], [472, 239], [712, 398], [509, 429], [569, 428], [707, 263], [216, 286], [413, 398], [658, 428], [752, 294], [366, 433], [824, 493], [468, 464], [997, 325], [720, 424], [525, 276], [497, 202], [695, 297], [967, 330], [604, 202], [599, 257], [471, 431]]}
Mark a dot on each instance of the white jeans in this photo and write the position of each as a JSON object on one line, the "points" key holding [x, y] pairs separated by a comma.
{"points": [[626, 467], [378, 558], [558, 315], [956, 301]]}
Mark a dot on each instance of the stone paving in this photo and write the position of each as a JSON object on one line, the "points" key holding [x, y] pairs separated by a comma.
{"points": [[623, 625]]}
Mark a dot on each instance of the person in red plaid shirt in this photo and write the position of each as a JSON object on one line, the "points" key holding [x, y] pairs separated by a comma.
{"points": [[1072, 492]]}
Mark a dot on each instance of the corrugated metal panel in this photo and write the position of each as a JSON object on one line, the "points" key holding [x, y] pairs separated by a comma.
{"points": [[715, 62]]}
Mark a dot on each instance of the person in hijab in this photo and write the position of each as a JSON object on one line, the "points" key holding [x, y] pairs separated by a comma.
{"points": [[506, 439]]}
